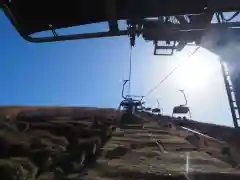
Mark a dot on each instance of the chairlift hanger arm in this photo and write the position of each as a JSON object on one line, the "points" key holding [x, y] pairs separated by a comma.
{"points": [[125, 82], [185, 97]]}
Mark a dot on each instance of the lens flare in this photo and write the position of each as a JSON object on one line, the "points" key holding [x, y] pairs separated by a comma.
{"points": [[198, 72]]}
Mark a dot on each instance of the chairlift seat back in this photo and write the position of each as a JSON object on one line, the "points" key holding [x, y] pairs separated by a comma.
{"points": [[138, 103], [156, 110], [124, 104], [180, 110], [148, 109]]}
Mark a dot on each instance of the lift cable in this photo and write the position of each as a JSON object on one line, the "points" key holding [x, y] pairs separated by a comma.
{"points": [[221, 18], [130, 70], [231, 18], [174, 69]]}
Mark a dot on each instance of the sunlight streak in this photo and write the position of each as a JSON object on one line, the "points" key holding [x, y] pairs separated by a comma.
{"points": [[199, 72]]}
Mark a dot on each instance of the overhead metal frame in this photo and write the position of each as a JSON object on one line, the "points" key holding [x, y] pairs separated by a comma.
{"points": [[135, 12], [113, 30]]}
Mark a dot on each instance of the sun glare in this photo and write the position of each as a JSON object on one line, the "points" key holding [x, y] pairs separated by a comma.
{"points": [[197, 72]]}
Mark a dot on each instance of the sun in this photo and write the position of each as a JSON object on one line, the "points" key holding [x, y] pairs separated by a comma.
{"points": [[198, 71]]}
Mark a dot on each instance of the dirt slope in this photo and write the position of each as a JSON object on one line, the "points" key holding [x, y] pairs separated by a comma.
{"points": [[102, 144], [51, 142], [152, 150]]}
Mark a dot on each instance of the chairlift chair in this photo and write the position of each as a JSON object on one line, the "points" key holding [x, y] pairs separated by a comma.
{"points": [[148, 109], [156, 110], [182, 109], [129, 104]]}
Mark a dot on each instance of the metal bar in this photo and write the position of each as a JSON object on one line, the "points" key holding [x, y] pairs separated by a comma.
{"points": [[154, 34], [185, 97], [162, 54], [125, 81], [166, 47], [61, 38], [148, 24], [230, 99], [193, 131], [110, 9], [187, 36], [76, 36], [204, 135]]}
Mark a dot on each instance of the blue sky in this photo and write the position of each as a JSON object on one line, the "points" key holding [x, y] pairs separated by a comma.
{"points": [[90, 73]]}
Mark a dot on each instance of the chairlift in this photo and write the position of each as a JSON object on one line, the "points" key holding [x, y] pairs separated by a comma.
{"points": [[129, 104], [182, 109], [156, 110], [148, 109]]}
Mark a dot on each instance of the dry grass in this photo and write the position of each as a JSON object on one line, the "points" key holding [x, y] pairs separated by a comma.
{"points": [[47, 142]]}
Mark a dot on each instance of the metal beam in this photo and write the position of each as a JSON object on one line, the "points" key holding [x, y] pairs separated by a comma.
{"points": [[76, 36], [187, 33], [154, 24], [110, 9], [230, 98]]}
